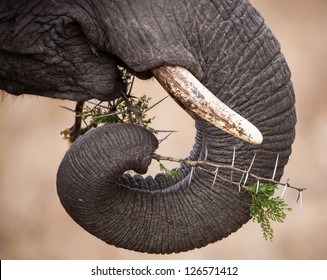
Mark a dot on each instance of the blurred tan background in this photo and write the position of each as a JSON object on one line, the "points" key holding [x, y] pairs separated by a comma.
{"points": [[34, 225]]}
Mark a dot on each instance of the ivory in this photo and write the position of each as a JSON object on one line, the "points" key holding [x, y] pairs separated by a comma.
{"points": [[195, 98]]}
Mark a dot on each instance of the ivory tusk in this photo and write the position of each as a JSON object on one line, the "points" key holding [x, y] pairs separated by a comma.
{"points": [[192, 96]]}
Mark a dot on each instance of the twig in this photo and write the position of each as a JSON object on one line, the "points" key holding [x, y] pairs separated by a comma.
{"points": [[102, 115], [75, 130], [155, 104], [165, 138], [206, 166], [132, 108], [97, 104], [164, 131], [67, 108]]}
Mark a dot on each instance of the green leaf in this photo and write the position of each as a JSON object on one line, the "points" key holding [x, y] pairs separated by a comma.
{"points": [[265, 207], [172, 173]]}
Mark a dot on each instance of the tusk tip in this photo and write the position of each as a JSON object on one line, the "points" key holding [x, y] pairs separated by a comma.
{"points": [[255, 137]]}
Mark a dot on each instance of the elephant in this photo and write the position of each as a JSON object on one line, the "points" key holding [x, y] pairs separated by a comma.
{"points": [[224, 45]]}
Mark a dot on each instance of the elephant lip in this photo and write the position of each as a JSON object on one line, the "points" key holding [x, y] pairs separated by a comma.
{"points": [[196, 99]]}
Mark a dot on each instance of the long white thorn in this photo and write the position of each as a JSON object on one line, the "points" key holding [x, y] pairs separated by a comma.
{"points": [[214, 180], [233, 162], [275, 169], [284, 190], [285, 187], [300, 198], [248, 171], [191, 176], [246, 178], [257, 189], [252, 162], [234, 154], [206, 152]]}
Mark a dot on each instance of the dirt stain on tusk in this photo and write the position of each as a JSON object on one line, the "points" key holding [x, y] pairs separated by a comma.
{"points": [[193, 97]]}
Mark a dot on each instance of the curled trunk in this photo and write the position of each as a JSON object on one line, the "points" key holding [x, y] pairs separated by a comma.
{"points": [[154, 215]]}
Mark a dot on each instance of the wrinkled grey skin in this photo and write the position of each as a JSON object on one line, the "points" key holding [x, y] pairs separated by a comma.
{"points": [[45, 50]]}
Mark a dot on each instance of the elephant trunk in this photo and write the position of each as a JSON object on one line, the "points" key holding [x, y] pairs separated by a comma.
{"points": [[154, 215]]}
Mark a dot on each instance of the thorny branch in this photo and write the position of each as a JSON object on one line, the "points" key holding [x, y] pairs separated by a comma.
{"points": [[214, 168], [264, 207]]}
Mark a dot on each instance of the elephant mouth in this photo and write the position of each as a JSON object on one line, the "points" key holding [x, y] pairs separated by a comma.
{"points": [[197, 100]]}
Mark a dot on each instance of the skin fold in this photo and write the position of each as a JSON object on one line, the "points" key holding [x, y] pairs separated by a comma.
{"points": [[46, 49]]}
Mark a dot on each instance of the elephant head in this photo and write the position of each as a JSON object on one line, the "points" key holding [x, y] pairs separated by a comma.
{"points": [[225, 44]]}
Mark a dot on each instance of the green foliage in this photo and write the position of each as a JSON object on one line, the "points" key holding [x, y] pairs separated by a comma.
{"points": [[265, 207], [122, 113], [172, 173], [68, 134], [126, 76], [125, 109]]}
